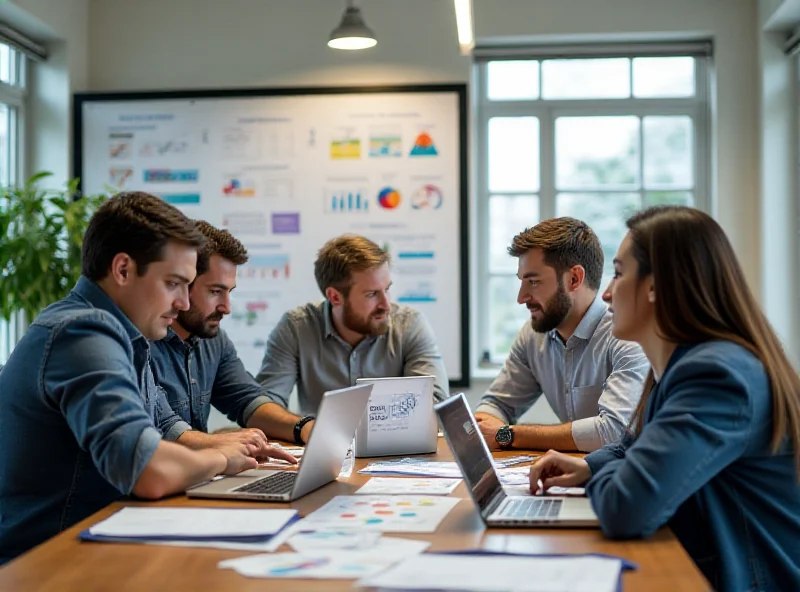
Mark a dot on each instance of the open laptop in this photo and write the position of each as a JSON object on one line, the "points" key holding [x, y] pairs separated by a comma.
{"points": [[399, 418], [337, 418], [495, 507]]}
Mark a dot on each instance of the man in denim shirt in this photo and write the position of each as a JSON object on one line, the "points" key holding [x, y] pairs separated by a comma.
{"points": [[77, 398], [197, 365]]}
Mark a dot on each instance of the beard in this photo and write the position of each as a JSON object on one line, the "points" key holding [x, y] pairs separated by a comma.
{"points": [[554, 312], [195, 323], [365, 325]]}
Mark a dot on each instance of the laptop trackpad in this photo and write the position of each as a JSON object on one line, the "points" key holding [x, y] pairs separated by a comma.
{"points": [[576, 508]]}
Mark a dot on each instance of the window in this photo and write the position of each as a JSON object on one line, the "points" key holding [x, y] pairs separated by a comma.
{"points": [[13, 94], [595, 138]]}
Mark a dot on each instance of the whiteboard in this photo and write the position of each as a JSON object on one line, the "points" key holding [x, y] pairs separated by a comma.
{"points": [[287, 169]]}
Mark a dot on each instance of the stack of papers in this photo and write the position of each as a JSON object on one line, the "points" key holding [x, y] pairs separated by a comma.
{"points": [[324, 562], [490, 573], [188, 525]]}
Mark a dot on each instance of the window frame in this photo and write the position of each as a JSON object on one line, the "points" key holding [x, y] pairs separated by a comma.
{"points": [[696, 107], [15, 96]]}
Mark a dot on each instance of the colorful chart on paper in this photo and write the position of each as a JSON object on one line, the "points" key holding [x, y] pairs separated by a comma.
{"points": [[401, 513]]}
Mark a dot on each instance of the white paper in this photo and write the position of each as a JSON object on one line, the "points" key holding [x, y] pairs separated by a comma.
{"points": [[500, 573], [326, 564], [404, 485], [423, 468], [514, 476], [400, 513], [192, 522], [333, 539]]}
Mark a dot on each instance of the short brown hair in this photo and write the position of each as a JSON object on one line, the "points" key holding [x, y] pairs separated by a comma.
{"points": [[138, 224], [219, 242], [566, 242], [341, 256]]}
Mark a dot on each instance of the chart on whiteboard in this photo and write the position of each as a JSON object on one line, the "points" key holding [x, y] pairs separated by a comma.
{"points": [[284, 174]]}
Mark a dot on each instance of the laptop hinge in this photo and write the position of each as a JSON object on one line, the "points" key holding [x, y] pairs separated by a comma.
{"points": [[495, 502]]}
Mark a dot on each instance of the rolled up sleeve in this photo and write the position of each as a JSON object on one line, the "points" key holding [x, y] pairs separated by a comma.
{"points": [[168, 422], [621, 393], [89, 375], [279, 368], [422, 356], [235, 392], [516, 388]]}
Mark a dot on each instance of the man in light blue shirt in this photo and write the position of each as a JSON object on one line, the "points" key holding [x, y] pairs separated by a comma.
{"points": [[592, 380], [77, 399]]}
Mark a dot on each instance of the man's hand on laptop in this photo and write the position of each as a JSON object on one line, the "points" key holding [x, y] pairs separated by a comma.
{"points": [[488, 425], [237, 456], [558, 469], [256, 442]]}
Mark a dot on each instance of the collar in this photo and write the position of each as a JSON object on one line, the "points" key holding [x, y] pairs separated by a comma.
{"points": [[591, 318], [327, 315], [330, 330], [173, 338], [94, 295]]}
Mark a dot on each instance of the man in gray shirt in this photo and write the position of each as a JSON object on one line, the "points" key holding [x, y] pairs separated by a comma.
{"points": [[592, 380], [356, 332]]}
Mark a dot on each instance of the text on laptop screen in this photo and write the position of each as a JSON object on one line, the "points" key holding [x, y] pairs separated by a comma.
{"points": [[470, 451]]}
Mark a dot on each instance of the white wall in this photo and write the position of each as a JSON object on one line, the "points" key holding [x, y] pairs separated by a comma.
{"points": [[206, 43], [63, 27]]}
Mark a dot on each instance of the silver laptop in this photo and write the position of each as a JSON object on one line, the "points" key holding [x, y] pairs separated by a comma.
{"points": [[496, 508], [337, 418], [399, 418]]}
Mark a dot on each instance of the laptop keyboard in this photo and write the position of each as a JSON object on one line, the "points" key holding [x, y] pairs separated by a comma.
{"points": [[532, 508], [277, 483]]}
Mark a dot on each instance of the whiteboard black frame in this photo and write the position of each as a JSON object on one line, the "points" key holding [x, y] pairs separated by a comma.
{"points": [[460, 90]]}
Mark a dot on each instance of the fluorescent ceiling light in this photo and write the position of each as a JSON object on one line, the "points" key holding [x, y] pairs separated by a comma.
{"points": [[464, 22], [352, 32]]}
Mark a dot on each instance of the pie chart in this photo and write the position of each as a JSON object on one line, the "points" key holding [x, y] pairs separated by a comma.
{"points": [[389, 198], [427, 197]]}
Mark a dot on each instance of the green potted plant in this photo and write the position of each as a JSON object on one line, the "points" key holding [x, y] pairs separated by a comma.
{"points": [[41, 232]]}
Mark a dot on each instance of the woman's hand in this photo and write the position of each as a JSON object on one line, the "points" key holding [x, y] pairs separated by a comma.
{"points": [[558, 469]]}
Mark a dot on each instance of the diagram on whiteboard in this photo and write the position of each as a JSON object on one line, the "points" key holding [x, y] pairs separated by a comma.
{"points": [[284, 173]]}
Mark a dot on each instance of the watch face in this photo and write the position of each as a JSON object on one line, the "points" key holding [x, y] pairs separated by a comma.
{"points": [[504, 436]]}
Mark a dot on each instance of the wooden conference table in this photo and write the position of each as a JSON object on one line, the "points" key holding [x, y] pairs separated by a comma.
{"points": [[64, 563]]}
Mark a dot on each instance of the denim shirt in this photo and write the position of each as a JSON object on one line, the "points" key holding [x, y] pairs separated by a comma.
{"points": [[198, 373], [703, 464], [77, 402]]}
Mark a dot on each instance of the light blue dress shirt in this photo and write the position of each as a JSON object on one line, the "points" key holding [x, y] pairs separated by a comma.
{"points": [[594, 380]]}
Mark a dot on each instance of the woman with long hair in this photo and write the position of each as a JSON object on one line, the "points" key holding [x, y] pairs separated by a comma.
{"points": [[713, 449]]}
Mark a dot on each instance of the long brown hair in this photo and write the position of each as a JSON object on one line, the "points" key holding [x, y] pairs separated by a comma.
{"points": [[701, 295]]}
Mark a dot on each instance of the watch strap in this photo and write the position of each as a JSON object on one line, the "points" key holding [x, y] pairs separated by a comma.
{"points": [[298, 429]]}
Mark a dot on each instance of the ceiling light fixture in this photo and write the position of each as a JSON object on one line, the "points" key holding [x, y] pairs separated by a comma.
{"points": [[352, 33], [464, 23]]}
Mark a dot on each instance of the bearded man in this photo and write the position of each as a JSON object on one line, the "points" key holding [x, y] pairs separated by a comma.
{"points": [[592, 380]]}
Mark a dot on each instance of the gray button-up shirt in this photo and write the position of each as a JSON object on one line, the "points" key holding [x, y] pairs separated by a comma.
{"points": [[305, 349], [594, 380]]}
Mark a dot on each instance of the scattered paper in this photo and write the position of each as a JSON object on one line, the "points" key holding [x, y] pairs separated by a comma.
{"points": [[326, 564], [515, 476], [309, 541], [431, 468], [403, 485], [487, 573], [406, 513], [189, 523]]}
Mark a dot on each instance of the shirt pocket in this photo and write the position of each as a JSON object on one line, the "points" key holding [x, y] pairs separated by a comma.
{"points": [[584, 401]]}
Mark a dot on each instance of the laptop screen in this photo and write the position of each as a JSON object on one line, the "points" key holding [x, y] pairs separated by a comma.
{"points": [[469, 449]]}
